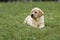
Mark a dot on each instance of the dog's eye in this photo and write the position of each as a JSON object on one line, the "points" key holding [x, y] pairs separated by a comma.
{"points": [[35, 12]]}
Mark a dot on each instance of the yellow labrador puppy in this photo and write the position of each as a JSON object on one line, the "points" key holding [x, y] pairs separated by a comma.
{"points": [[36, 18]]}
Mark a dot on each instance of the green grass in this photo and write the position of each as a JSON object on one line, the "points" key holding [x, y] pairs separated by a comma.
{"points": [[12, 16]]}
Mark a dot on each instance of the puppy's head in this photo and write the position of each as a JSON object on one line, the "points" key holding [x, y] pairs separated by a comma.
{"points": [[36, 13]]}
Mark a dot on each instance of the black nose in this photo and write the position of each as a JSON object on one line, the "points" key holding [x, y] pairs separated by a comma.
{"points": [[31, 15]]}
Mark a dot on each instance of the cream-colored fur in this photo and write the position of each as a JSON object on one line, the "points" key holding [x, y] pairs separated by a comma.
{"points": [[36, 18]]}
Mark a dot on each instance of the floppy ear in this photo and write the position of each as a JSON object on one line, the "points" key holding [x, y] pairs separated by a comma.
{"points": [[41, 13]]}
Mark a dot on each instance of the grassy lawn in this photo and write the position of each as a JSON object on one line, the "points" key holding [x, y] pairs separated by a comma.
{"points": [[12, 16]]}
